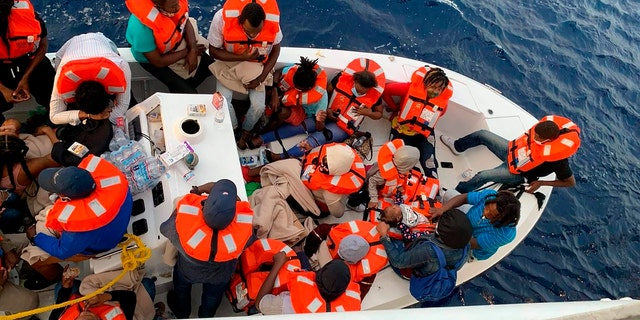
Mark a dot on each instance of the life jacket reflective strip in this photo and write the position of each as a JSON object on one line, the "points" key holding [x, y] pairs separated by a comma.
{"points": [[306, 298], [417, 110], [234, 37], [293, 97], [99, 208], [525, 154], [344, 102], [376, 258], [167, 32], [347, 183], [259, 255], [197, 238], [99, 69], [23, 31], [105, 311]]}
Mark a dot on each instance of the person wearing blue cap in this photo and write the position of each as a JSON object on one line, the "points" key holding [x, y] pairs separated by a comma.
{"points": [[209, 232], [89, 216]]}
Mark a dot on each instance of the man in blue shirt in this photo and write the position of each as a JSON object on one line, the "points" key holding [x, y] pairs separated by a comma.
{"points": [[493, 216]]}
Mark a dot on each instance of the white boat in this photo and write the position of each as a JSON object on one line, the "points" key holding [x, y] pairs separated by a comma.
{"points": [[473, 106]]}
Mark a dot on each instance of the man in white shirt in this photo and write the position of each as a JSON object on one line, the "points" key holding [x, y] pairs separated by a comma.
{"points": [[89, 58], [245, 41]]}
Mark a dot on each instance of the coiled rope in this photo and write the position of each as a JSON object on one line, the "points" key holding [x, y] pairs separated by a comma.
{"points": [[131, 260]]}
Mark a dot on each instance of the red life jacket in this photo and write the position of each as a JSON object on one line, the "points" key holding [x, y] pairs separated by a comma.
{"points": [[306, 298], [234, 37], [376, 258], [293, 97], [97, 69], [196, 236], [420, 112], [256, 261], [167, 31], [106, 311], [99, 208], [23, 31], [347, 183], [344, 102], [525, 154]]}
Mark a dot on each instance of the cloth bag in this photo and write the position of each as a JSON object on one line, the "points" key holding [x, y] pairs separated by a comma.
{"points": [[362, 142]]}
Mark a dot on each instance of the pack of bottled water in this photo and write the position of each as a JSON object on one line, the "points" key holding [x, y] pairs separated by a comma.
{"points": [[142, 170]]}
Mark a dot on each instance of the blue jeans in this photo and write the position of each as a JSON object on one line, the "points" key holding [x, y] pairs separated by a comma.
{"points": [[209, 301], [315, 138], [425, 146], [498, 146], [253, 115]]}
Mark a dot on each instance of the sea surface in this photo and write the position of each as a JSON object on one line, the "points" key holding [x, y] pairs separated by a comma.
{"points": [[579, 59]]}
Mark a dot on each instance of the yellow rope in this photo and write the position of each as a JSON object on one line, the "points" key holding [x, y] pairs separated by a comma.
{"points": [[131, 260]]}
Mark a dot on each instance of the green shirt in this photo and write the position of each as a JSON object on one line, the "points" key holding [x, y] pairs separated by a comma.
{"points": [[141, 39]]}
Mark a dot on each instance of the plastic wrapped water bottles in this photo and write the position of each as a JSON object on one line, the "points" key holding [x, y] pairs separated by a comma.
{"points": [[142, 170], [120, 139]]}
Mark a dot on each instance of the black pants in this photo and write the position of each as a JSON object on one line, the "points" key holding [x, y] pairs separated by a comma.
{"points": [[40, 81], [176, 83]]}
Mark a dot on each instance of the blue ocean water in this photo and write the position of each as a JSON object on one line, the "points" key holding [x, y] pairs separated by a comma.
{"points": [[580, 59]]}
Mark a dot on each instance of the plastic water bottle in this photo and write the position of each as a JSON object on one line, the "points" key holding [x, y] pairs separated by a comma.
{"points": [[217, 101], [155, 168], [119, 139]]}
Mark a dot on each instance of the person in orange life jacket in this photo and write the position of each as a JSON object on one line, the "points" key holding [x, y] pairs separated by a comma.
{"points": [[112, 305], [90, 215], [433, 86], [246, 48], [493, 216], [347, 242], [404, 159], [25, 71], [300, 95], [89, 57], [545, 133], [404, 217], [330, 285], [209, 237], [322, 166], [323, 128], [452, 234], [163, 38]]}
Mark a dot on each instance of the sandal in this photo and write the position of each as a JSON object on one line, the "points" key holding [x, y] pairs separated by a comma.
{"points": [[245, 137]]}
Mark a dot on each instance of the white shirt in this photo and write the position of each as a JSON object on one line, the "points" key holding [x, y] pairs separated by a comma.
{"points": [[84, 46], [215, 36]]}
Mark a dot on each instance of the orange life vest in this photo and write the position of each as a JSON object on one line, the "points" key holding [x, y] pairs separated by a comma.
{"points": [[306, 298], [293, 97], [167, 31], [23, 31], [420, 112], [347, 183], [105, 311], [525, 154], [257, 259], [99, 208], [98, 69], [234, 37], [196, 236], [388, 170], [375, 259], [344, 102]]}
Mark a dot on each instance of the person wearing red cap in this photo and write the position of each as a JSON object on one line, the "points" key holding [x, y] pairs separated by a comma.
{"points": [[209, 232]]}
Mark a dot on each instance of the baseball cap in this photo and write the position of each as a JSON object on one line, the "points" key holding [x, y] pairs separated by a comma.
{"points": [[333, 279], [71, 182], [353, 248], [454, 229], [220, 207]]}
